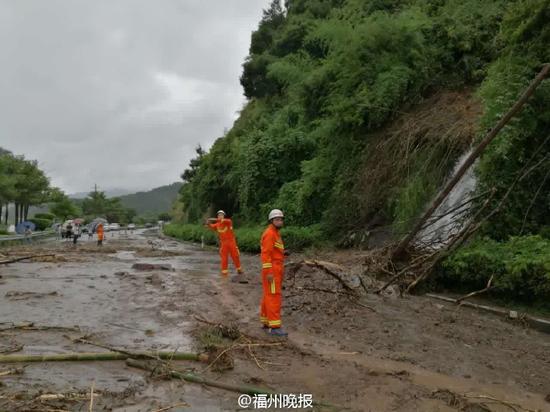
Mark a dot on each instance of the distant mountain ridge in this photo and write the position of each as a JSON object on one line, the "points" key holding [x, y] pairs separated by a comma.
{"points": [[108, 193], [157, 200]]}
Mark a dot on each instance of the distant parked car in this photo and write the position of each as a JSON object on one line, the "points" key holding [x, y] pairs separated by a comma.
{"points": [[131, 226], [148, 225], [114, 226]]}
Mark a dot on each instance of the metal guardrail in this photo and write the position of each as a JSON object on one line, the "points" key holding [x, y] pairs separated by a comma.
{"points": [[22, 238]]}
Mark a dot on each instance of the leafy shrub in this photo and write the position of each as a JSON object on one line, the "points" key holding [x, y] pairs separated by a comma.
{"points": [[520, 266], [41, 224], [300, 238], [47, 216], [192, 233], [248, 238]]}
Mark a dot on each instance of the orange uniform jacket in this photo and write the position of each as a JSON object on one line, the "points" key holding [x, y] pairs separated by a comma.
{"points": [[273, 256], [100, 232], [228, 244], [224, 228]]}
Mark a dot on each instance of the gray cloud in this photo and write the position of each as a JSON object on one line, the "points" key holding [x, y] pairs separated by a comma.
{"points": [[120, 92]]}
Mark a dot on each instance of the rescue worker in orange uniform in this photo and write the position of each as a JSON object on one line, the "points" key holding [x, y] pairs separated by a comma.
{"points": [[228, 243], [100, 234], [273, 256]]}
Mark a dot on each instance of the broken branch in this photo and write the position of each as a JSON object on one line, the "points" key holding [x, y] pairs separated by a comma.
{"points": [[191, 377], [5, 262], [327, 267], [107, 356], [478, 292]]}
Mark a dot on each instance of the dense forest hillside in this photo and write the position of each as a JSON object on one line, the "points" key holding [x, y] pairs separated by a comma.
{"points": [[358, 109]]}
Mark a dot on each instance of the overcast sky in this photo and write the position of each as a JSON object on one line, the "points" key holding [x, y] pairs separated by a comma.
{"points": [[120, 92]]}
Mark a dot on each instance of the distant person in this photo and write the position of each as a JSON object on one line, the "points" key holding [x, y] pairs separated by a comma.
{"points": [[90, 234], [273, 256], [69, 231], [76, 233], [28, 234], [100, 234], [228, 243]]}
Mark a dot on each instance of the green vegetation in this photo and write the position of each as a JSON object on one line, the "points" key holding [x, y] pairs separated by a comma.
{"points": [[327, 78], [22, 184], [64, 208], [248, 238], [41, 224], [358, 109], [98, 205], [47, 216], [516, 166], [520, 268], [524, 145]]}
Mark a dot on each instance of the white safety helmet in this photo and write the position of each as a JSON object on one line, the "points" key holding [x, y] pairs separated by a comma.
{"points": [[220, 211], [275, 213]]}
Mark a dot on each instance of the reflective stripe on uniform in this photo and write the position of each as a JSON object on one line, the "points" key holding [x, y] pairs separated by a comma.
{"points": [[223, 230], [279, 245], [273, 286], [267, 266], [274, 323]]}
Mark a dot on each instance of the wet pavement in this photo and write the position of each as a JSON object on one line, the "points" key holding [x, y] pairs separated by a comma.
{"points": [[102, 295], [406, 354]]}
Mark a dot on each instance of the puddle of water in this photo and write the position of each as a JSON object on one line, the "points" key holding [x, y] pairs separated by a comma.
{"points": [[124, 255]]}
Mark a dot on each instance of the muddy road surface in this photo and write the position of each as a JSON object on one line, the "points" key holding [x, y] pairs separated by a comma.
{"points": [[383, 353]]}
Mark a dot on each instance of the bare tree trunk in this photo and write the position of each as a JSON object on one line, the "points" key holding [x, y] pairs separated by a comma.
{"points": [[16, 221], [401, 247], [26, 211], [6, 214]]}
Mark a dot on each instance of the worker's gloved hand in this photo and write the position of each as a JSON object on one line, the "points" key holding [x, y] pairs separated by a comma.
{"points": [[287, 252], [269, 278]]}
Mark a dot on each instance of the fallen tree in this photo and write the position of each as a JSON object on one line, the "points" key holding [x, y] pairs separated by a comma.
{"points": [[191, 377], [104, 356], [478, 150], [19, 259], [421, 266]]}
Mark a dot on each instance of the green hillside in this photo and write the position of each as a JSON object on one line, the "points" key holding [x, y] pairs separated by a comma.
{"points": [[155, 201], [358, 109], [357, 113]]}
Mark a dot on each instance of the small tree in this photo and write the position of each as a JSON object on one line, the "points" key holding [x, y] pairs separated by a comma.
{"points": [[64, 208], [165, 216]]}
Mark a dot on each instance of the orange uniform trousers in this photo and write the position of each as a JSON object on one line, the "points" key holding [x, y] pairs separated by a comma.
{"points": [[229, 248], [270, 306]]}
